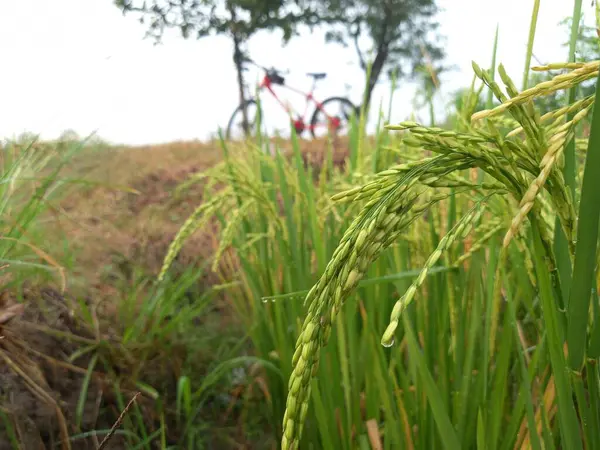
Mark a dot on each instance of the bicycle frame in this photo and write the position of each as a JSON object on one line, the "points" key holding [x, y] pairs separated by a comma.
{"points": [[299, 123]]}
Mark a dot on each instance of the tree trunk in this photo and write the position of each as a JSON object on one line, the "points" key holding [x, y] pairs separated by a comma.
{"points": [[376, 68], [239, 65], [237, 59]]}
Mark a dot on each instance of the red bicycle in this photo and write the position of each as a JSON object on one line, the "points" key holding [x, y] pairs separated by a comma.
{"points": [[332, 115]]}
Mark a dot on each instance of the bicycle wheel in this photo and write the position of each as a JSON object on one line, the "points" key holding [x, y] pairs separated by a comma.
{"points": [[333, 117], [235, 127]]}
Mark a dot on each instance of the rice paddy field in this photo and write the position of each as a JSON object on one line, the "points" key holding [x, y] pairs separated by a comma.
{"points": [[429, 286]]}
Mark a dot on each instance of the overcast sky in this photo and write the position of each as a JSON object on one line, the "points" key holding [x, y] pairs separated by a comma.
{"points": [[81, 65]]}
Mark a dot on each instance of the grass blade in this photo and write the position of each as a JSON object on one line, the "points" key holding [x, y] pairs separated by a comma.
{"points": [[450, 439], [532, 27], [490, 97], [584, 266], [569, 171], [569, 426], [84, 390]]}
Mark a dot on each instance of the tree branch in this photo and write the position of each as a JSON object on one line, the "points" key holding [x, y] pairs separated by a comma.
{"points": [[361, 58]]}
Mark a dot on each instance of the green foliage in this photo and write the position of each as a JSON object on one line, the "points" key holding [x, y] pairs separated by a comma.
{"points": [[526, 168], [31, 184], [402, 36], [238, 19], [473, 357], [456, 272], [203, 18], [146, 341], [187, 375]]}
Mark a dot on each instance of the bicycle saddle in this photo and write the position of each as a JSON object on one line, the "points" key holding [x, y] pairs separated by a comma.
{"points": [[317, 75]]}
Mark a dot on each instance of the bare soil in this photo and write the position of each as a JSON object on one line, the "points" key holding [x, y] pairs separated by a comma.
{"points": [[42, 363], [39, 388]]}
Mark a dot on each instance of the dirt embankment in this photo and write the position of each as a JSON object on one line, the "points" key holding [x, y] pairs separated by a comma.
{"points": [[111, 230], [45, 350]]}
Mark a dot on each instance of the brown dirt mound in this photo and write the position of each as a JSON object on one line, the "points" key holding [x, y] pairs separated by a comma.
{"points": [[113, 231], [39, 389], [156, 187]]}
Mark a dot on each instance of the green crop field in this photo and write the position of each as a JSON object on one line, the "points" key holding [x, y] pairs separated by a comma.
{"points": [[428, 286]]}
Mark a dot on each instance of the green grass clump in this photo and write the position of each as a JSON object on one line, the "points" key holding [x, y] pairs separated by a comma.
{"points": [[94, 353], [444, 246], [527, 167], [31, 184], [470, 253]]}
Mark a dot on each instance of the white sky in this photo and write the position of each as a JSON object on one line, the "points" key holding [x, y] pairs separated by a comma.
{"points": [[81, 65]]}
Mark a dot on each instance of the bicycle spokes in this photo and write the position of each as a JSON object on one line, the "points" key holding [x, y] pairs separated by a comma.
{"points": [[236, 124], [333, 117]]}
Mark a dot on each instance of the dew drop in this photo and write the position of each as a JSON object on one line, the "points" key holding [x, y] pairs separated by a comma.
{"points": [[265, 300], [389, 343], [272, 300]]}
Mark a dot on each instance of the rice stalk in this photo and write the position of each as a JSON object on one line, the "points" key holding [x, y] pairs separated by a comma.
{"points": [[517, 169]]}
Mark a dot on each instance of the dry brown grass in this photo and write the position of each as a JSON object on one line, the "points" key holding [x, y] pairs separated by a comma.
{"points": [[111, 229], [124, 221], [43, 385]]}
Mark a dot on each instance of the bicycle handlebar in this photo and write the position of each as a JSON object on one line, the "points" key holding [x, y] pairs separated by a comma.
{"points": [[266, 69]]}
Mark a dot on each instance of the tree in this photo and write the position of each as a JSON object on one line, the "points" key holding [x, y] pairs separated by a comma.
{"points": [[238, 19], [402, 34]]}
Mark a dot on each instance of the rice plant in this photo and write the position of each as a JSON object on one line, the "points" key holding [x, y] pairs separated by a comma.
{"points": [[422, 296], [521, 166]]}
